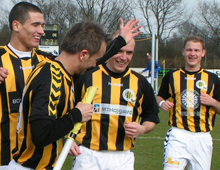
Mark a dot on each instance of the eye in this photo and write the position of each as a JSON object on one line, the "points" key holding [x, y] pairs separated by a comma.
{"points": [[188, 49], [130, 52]]}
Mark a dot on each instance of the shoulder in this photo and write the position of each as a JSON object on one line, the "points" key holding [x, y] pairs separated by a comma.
{"points": [[142, 81], [212, 75], [2, 50], [44, 53], [140, 76], [92, 70], [171, 72]]}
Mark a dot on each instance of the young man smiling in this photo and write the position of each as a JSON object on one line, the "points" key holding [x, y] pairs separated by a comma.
{"points": [[17, 59], [123, 98], [194, 101]]}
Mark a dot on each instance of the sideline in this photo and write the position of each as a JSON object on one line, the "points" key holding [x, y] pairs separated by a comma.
{"points": [[163, 138]]}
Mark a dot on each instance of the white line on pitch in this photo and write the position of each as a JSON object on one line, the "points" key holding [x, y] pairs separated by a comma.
{"points": [[162, 138]]}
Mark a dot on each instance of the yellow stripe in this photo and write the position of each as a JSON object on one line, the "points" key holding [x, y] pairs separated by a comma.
{"points": [[10, 82], [26, 64], [97, 79], [190, 103], [54, 73], [203, 109], [134, 86], [176, 77], [212, 112], [43, 162], [112, 133]]}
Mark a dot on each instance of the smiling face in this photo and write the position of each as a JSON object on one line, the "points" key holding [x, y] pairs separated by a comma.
{"points": [[28, 34], [121, 60], [193, 54]]}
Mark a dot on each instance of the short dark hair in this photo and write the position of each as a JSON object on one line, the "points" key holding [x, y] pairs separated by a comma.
{"points": [[20, 12], [194, 38], [84, 35]]}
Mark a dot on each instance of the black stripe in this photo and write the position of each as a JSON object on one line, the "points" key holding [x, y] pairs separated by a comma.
{"points": [[121, 131], [87, 138], [172, 84], [5, 126], [183, 84], [104, 117], [197, 117], [34, 61], [19, 74]]}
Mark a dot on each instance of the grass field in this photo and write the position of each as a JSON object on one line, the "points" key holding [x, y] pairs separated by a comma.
{"points": [[149, 148]]}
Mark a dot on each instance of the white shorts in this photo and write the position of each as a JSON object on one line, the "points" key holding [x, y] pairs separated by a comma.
{"points": [[108, 160], [184, 148], [5, 167], [16, 166]]}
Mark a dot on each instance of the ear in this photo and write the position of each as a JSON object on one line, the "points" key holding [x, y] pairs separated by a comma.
{"points": [[203, 53], [15, 25], [183, 51], [84, 54]]}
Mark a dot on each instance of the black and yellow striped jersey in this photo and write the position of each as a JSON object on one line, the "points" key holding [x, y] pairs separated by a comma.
{"points": [[48, 96], [10, 96], [122, 97], [184, 89]]}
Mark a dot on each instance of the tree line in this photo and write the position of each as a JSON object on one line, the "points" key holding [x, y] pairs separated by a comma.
{"points": [[170, 20]]}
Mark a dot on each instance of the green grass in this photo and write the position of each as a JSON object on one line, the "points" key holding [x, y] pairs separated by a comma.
{"points": [[148, 148]]}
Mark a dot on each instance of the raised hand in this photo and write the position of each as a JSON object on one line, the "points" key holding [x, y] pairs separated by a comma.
{"points": [[130, 30]]}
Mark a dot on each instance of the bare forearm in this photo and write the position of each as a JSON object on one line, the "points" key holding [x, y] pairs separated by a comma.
{"points": [[147, 127]]}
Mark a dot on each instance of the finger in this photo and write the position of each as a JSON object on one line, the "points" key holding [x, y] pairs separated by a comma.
{"points": [[2, 78], [131, 23], [122, 23], [137, 33], [136, 28], [3, 70]]}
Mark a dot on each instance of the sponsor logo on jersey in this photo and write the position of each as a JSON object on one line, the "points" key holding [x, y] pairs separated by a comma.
{"points": [[16, 101], [113, 109], [170, 161], [28, 67], [201, 85], [129, 96], [189, 78], [115, 84], [189, 102], [97, 108]]}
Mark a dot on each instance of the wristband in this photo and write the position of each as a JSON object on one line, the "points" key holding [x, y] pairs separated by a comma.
{"points": [[161, 102]]}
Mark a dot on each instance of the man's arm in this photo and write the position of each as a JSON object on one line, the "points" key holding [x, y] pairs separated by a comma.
{"points": [[207, 100], [46, 128], [164, 104], [144, 70], [133, 129], [157, 66]]}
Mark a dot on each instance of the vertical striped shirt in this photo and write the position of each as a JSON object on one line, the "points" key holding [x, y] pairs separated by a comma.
{"points": [[184, 89], [10, 96], [122, 97]]}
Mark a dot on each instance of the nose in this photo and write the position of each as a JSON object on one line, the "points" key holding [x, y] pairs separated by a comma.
{"points": [[124, 55], [41, 30], [193, 52]]}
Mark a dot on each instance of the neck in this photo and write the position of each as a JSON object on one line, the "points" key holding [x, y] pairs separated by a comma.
{"points": [[69, 61], [15, 43], [192, 69]]}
